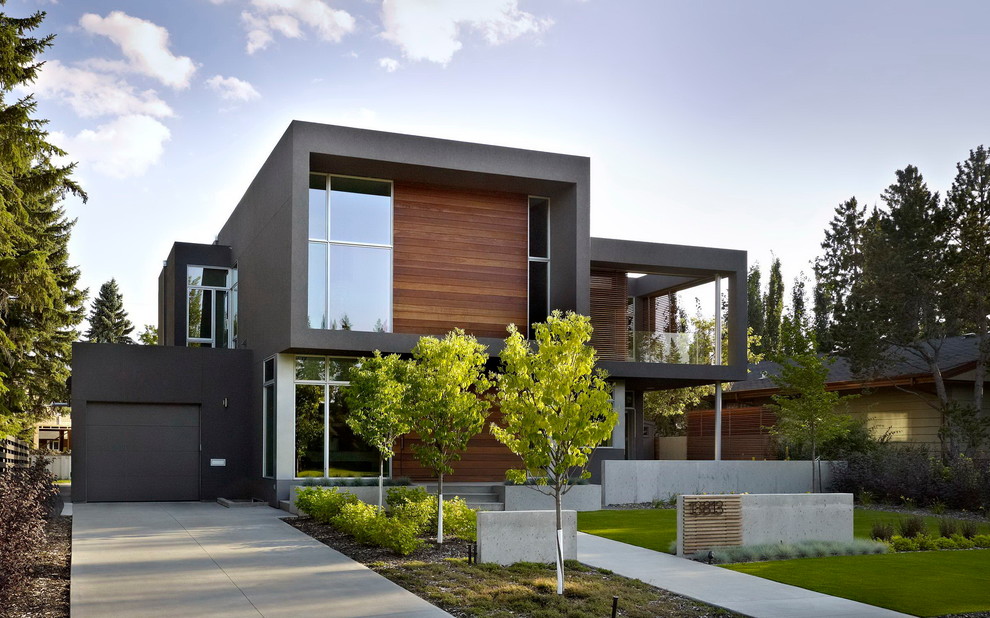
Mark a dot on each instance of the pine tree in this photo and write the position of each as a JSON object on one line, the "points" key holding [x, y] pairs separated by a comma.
{"points": [[108, 321], [773, 303], [40, 303], [836, 270]]}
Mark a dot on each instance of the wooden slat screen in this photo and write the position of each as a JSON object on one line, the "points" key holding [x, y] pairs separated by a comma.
{"points": [[608, 314], [743, 434], [662, 313], [711, 521], [460, 259]]}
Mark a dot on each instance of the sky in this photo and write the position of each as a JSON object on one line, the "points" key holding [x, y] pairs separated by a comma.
{"points": [[719, 123]]}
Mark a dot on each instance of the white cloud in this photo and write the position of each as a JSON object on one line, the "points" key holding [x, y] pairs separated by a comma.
{"points": [[145, 45], [431, 30], [232, 89], [286, 17], [389, 64], [123, 148], [92, 94]]}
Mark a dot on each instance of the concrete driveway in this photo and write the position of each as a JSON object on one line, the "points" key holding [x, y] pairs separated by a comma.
{"points": [[199, 559]]}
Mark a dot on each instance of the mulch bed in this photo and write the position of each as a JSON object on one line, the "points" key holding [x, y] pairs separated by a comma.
{"points": [[47, 591]]}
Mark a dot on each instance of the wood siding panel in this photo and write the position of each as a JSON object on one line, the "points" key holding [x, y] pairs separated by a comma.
{"points": [[485, 460], [608, 314], [459, 260], [909, 417], [743, 434]]}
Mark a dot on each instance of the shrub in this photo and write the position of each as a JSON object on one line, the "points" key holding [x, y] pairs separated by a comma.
{"points": [[968, 528], [459, 520], [899, 543], [962, 542], [947, 527], [981, 540], [882, 531], [25, 493], [365, 481], [945, 543], [413, 505], [925, 542], [937, 507], [370, 526], [912, 526], [323, 504], [785, 551]]}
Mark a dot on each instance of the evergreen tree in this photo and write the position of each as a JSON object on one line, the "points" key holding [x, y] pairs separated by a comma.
{"points": [[773, 303], [40, 304], [755, 312], [839, 266], [108, 321], [149, 336]]}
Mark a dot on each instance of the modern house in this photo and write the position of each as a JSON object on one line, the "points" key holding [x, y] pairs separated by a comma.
{"points": [[901, 401], [350, 241]]}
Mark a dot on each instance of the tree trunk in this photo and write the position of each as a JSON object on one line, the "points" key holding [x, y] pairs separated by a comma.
{"points": [[813, 486], [560, 545], [440, 509], [381, 482], [980, 372], [945, 436]]}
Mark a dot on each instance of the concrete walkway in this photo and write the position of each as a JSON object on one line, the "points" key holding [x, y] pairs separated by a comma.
{"points": [[746, 594], [201, 559]]}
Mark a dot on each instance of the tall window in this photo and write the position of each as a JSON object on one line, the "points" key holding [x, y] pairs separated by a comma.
{"points": [[208, 309], [350, 253], [539, 260], [325, 444], [268, 428]]}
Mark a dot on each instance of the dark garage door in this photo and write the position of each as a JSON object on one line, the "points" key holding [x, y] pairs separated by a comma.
{"points": [[142, 452]]}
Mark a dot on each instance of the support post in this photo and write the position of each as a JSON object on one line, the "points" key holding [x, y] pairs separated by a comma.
{"points": [[718, 361]]}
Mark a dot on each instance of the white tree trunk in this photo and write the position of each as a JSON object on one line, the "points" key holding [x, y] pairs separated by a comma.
{"points": [[381, 483], [560, 546], [440, 511]]}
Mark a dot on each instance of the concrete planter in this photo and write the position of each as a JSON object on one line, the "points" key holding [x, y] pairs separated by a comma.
{"points": [[526, 498], [507, 537], [364, 494]]}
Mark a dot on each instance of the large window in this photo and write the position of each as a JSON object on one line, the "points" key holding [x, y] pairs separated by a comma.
{"points": [[268, 429], [208, 308], [350, 253], [325, 445], [539, 261]]}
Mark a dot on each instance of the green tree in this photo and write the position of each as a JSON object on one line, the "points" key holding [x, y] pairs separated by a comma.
{"points": [[108, 321], [378, 402], [836, 270], [40, 303], [555, 406], [149, 336], [805, 409], [447, 405], [755, 312], [773, 303]]}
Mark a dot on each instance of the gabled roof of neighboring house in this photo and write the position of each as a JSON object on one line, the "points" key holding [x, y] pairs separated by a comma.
{"points": [[957, 355]]}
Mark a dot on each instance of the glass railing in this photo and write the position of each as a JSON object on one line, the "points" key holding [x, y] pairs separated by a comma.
{"points": [[691, 348]]}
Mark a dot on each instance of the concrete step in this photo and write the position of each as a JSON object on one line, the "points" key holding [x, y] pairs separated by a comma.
{"points": [[487, 506]]}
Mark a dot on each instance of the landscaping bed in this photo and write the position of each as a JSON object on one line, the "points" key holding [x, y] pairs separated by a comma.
{"points": [[441, 575], [46, 594]]}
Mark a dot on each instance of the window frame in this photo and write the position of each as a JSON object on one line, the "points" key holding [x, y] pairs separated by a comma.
{"points": [[537, 259], [328, 243], [212, 289], [265, 384]]}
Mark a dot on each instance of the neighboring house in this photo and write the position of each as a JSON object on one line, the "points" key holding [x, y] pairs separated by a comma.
{"points": [[350, 241], [54, 434], [902, 401]]}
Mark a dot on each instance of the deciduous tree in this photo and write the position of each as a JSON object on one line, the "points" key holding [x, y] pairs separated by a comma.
{"points": [[378, 405], [447, 403], [556, 407]]}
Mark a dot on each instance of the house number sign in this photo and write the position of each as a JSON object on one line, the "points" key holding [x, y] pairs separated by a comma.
{"points": [[704, 508]]}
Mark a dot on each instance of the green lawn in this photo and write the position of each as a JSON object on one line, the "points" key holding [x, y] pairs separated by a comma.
{"points": [[930, 583], [650, 528], [656, 529]]}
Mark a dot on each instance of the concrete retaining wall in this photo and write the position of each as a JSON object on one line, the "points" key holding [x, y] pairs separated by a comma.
{"points": [[769, 518], [645, 481], [507, 537], [789, 518], [526, 498]]}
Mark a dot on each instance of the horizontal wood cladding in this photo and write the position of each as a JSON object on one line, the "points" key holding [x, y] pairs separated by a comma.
{"points": [[485, 460], [608, 314], [711, 521], [459, 260], [744, 434]]}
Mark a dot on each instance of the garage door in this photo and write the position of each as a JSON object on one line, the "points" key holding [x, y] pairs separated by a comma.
{"points": [[140, 452]]}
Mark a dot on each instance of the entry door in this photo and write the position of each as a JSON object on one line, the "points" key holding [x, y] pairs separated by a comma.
{"points": [[142, 452]]}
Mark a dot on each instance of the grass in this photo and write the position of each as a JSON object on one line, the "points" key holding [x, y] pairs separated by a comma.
{"points": [[528, 589], [921, 583], [653, 529], [656, 529]]}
